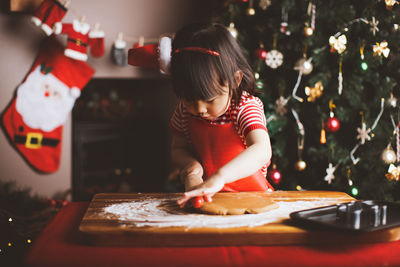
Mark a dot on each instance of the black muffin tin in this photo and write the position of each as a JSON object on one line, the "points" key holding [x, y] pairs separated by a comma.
{"points": [[355, 216]]}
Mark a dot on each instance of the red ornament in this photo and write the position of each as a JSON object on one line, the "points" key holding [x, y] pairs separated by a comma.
{"points": [[275, 176], [332, 125], [197, 202], [260, 53]]}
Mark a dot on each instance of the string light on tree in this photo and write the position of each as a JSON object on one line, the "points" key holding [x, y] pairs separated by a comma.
{"points": [[364, 65], [274, 175], [354, 191], [322, 138]]}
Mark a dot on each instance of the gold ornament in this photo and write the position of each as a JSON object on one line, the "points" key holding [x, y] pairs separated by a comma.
{"points": [[338, 44], [308, 31], [388, 155], [390, 4], [392, 101], [393, 173], [250, 11], [381, 49], [233, 30], [301, 165], [304, 65], [314, 92]]}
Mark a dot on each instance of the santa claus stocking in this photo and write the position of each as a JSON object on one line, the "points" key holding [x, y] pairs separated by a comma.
{"points": [[35, 117], [48, 13]]}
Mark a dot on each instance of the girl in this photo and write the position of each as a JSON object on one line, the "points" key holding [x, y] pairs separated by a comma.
{"points": [[220, 139]]}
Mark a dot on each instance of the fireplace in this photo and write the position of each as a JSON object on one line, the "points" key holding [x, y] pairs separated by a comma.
{"points": [[120, 137]]}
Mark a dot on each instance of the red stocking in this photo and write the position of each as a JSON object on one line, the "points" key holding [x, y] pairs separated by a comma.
{"points": [[34, 120]]}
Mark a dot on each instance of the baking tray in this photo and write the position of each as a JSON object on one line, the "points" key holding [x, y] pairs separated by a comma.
{"points": [[354, 216]]}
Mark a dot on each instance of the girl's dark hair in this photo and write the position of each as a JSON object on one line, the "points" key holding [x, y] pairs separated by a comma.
{"points": [[199, 76]]}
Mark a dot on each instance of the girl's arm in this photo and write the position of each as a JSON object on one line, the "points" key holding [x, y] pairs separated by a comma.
{"points": [[190, 169], [257, 154]]}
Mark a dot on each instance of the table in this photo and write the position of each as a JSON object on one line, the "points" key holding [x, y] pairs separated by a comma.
{"points": [[61, 244]]}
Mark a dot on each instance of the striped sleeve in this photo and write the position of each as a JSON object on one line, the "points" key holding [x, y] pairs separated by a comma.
{"points": [[176, 123], [251, 116]]}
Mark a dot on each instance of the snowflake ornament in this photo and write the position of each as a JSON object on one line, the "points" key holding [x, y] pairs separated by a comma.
{"points": [[280, 105], [329, 173], [363, 133], [274, 59], [264, 4], [374, 26]]}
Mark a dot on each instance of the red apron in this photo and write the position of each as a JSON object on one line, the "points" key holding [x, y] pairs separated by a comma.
{"points": [[216, 145]]}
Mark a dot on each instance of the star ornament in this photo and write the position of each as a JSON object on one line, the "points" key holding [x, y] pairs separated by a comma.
{"points": [[314, 92], [363, 133], [338, 44], [374, 26], [381, 49], [393, 173], [329, 173]]}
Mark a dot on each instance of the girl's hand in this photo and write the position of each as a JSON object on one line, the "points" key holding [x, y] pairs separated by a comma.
{"points": [[206, 190]]}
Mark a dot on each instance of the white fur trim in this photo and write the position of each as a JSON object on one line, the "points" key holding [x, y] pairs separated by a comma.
{"points": [[75, 54], [96, 34], [119, 44], [75, 92], [81, 27], [57, 27], [36, 21], [39, 111], [46, 28], [165, 54]]}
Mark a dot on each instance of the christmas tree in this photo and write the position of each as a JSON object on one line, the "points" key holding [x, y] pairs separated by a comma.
{"points": [[328, 73]]}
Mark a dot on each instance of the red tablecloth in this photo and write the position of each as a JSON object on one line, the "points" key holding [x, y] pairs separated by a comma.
{"points": [[61, 244]]}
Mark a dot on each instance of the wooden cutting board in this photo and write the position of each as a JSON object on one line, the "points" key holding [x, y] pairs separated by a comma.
{"points": [[105, 229]]}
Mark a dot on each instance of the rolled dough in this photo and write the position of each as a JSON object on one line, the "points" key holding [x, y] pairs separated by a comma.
{"points": [[228, 203]]}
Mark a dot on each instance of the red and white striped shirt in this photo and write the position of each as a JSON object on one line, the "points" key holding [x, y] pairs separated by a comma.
{"points": [[247, 116]]}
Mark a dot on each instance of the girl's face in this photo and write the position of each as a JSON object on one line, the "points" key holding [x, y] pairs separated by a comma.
{"points": [[212, 108]]}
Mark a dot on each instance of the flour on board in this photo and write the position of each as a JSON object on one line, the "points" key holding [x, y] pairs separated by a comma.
{"points": [[152, 212]]}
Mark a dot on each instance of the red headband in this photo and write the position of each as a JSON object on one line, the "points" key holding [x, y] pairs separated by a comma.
{"points": [[197, 49]]}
